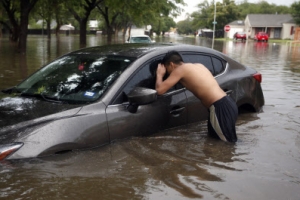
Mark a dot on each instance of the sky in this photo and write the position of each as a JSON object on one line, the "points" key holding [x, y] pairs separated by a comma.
{"points": [[192, 5]]}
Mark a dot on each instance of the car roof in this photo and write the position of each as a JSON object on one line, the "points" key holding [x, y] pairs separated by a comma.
{"points": [[136, 50], [139, 36]]}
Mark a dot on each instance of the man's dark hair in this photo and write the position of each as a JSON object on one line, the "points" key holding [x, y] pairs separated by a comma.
{"points": [[172, 56]]}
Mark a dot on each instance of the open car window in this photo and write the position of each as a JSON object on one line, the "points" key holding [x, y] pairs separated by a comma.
{"points": [[144, 77], [75, 78]]}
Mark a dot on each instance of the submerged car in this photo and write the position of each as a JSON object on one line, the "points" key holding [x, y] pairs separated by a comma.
{"points": [[240, 36], [139, 39], [261, 36], [93, 96]]}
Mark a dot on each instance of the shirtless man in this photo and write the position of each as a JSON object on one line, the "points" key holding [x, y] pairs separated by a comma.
{"points": [[199, 80]]}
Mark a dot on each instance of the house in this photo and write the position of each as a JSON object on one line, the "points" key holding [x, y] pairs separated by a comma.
{"points": [[277, 26], [93, 24], [235, 26]]}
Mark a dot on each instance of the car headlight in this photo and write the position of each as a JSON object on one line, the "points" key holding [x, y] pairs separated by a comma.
{"points": [[8, 149]]}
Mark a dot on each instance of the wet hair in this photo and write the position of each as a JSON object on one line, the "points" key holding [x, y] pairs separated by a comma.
{"points": [[172, 56]]}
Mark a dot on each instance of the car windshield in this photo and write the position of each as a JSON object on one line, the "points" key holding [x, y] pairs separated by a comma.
{"points": [[75, 78], [140, 40]]}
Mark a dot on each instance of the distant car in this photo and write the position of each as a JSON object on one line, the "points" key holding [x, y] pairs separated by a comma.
{"points": [[240, 36], [139, 39], [93, 96], [261, 36]]}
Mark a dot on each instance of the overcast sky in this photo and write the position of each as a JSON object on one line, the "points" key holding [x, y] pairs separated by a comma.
{"points": [[192, 5]]}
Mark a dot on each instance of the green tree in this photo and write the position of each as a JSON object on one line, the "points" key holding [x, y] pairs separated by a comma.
{"points": [[185, 27], [203, 17], [117, 13], [18, 19], [263, 7], [226, 12], [81, 10], [12, 19], [45, 10], [25, 7], [295, 11], [163, 24]]}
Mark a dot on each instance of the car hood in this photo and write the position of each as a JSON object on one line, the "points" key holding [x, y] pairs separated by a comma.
{"points": [[16, 109]]}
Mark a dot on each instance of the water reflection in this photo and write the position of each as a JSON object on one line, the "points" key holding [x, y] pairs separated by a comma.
{"points": [[181, 163]]}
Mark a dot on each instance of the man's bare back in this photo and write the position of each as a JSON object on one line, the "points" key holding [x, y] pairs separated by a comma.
{"points": [[196, 78]]}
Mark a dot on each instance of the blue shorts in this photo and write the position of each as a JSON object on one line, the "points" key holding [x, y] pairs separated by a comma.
{"points": [[222, 117]]}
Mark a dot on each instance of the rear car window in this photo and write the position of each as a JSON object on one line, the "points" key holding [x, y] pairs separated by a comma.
{"points": [[213, 64]]}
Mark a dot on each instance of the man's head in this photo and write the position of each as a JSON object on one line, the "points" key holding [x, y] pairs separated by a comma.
{"points": [[172, 56], [171, 59]]}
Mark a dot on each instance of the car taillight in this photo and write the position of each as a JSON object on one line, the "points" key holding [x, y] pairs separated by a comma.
{"points": [[258, 77], [8, 149]]}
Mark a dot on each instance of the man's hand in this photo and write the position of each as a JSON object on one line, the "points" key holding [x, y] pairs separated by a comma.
{"points": [[161, 70]]}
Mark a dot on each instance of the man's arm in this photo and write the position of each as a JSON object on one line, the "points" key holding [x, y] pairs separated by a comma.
{"points": [[163, 86]]}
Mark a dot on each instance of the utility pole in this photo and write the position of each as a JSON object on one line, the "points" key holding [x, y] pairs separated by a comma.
{"points": [[214, 22]]}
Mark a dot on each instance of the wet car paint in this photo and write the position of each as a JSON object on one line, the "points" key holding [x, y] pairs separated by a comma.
{"points": [[104, 121]]}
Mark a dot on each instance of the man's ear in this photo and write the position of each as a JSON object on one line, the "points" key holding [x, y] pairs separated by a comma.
{"points": [[172, 65]]}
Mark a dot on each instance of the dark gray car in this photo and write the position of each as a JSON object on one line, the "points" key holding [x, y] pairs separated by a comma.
{"points": [[96, 95]]}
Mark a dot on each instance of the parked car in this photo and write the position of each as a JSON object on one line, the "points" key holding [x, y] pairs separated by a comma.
{"points": [[240, 36], [261, 36], [139, 39], [93, 96]]}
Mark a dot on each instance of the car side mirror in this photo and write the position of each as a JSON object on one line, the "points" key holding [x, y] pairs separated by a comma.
{"points": [[140, 96]]}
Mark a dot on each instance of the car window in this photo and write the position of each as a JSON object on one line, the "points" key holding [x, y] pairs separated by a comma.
{"points": [[140, 40], [75, 78], [219, 66], [213, 64], [144, 77], [197, 58]]}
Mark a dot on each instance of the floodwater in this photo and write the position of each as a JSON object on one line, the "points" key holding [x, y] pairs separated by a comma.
{"points": [[182, 163]]}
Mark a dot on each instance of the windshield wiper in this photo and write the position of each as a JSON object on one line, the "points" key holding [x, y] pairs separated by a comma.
{"points": [[11, 90], [44, 97]]}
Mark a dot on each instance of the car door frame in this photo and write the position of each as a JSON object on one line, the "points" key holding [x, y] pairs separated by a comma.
{"points": [[167, 111]]}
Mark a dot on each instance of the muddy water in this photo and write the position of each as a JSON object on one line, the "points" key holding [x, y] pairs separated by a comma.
{"points": [[180, 163]]}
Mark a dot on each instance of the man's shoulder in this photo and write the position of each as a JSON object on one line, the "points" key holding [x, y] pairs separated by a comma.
{"points": [[193, 64]]}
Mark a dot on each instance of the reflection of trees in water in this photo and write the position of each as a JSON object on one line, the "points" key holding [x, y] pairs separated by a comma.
{"points": [[180, 158]]}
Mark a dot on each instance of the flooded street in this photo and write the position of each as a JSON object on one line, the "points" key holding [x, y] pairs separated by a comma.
{"points": [[181, 163]]}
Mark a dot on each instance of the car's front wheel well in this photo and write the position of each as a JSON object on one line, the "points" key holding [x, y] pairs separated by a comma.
{"points": [[246, 108]]}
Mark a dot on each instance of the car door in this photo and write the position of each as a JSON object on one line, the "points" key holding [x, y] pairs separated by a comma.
{"points": [[196, 110], [169, 110]]}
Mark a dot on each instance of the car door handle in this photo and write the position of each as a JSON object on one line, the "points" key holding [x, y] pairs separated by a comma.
{"points": [[177, 111]]}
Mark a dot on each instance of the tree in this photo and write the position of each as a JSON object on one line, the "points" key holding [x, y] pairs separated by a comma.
{"points": [[263, 7], [44, 9], [26, 7], [13, 14], [163, 25], [203, 18], [226, 12], [138, 12], [81, 10], [295, 11], [185, 27], [18, 15]]}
